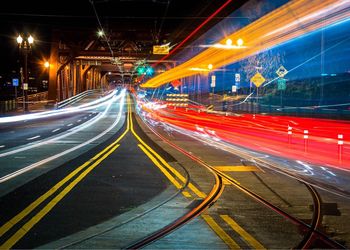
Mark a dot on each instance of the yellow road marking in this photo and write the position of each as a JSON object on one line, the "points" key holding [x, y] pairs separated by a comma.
{"points": [[237, 168], [226, 182], [35, 219], [246, 236], [164, 171], [112, 147], [220, 232], [174, 171], [8, 225], [186, 194]]}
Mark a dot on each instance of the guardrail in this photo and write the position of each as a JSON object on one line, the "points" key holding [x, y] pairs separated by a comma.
{"points": [[41, 98], [75, 98]]}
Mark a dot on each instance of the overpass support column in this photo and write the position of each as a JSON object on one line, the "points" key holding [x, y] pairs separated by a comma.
{"points": [[54, 88]]}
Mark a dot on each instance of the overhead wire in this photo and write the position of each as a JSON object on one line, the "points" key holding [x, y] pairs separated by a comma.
{"points": [[162, 21], [101, 27]]}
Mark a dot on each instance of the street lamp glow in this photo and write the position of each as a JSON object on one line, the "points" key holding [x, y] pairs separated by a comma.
{"points": [[100, 33], [240, 42], [228, 42], [46, 64], [19, 39], [210, 66], [30, 39]]}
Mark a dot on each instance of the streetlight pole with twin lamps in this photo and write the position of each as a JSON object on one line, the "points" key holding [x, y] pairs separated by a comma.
{"points": [[25, 46]]}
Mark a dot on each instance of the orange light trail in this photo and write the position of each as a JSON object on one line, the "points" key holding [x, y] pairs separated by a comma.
{"points": [[292, 20]]}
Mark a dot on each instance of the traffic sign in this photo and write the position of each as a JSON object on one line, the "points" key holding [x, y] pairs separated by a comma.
{"points": [[281, 84], [257, 79], [282, 71], [237, 77], [161, 49], [15, 82], [234, 88], [213, 81]]}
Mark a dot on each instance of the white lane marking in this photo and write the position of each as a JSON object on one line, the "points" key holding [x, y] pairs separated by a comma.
{"points": [[70, 124], [85, 117], [2, 146], [32, 138], [55, 130], [72, 131], [34, 165], [90, 115], [79, 120]]}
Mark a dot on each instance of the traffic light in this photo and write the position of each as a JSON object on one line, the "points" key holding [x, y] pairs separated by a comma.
{"points": [[149, 71], [145, 70], [141, 70]]}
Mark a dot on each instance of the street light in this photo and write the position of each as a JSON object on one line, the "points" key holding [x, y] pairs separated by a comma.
{"points": [[25, 46], [46, 64], [240, 42]]}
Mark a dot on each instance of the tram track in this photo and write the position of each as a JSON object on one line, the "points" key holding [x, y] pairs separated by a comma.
{"points": [[312, 230], [175, 224]]}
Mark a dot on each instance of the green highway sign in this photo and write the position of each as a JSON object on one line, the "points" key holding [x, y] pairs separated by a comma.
{"points": [[281, 84]]}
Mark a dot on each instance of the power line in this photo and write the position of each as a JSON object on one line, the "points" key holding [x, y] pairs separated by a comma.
{"points": [[104, 33]]}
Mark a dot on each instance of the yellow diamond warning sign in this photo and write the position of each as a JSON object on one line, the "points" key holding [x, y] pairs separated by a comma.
{"points": [[257, 79]]}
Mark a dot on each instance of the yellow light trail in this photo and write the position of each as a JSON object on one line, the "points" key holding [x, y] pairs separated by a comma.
{"points": [[292, 20]]}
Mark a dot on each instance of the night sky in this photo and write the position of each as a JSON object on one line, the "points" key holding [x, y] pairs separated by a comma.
{"points": [[174, 19]]}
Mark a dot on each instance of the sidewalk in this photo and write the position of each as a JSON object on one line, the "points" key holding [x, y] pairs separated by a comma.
{"points": [[32, 108]]}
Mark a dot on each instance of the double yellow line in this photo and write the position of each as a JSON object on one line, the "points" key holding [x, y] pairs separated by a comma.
{"points": [[79, 174], [82, 170], [160, 162]]}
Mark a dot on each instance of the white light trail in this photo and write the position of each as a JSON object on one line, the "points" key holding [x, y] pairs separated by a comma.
{"points": [[40, 115], [72, 131], [34, 165], [32, 138]]}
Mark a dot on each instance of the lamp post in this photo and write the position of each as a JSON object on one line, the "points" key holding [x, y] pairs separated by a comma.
{"points": [[25, 46]]}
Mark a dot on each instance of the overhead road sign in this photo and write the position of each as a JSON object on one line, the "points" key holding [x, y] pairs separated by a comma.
{"points": [[161, 49], [257, 79]]}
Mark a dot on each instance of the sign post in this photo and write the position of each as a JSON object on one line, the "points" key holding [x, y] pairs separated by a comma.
{"points": [[257, 79], [281, 86], [15, 83], [212, 84], [22, 80], [237, 82], [281, 82]]}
